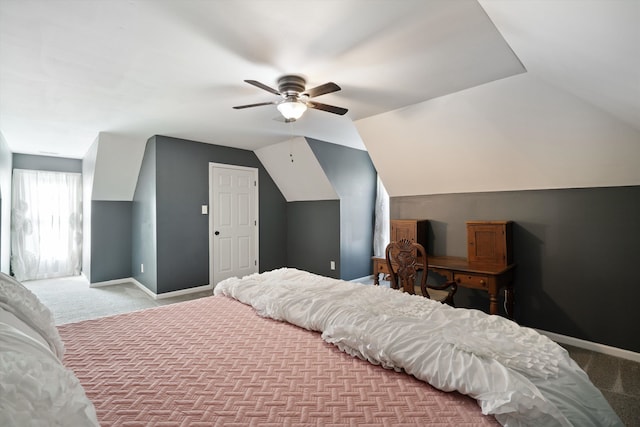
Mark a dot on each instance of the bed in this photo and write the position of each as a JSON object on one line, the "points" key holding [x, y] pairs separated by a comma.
{"points": [[36, 389], [288, 347]]}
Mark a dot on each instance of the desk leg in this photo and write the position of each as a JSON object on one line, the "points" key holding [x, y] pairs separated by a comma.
{"points": [[493, 303], [508, 297]]}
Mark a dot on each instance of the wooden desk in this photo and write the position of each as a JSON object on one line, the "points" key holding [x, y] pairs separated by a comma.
{"points": [[487, 277]]}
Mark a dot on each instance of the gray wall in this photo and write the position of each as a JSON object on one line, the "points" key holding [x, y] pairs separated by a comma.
{"points": [[46, 163], [144, 223], [313, 236], [111, 240], [576, 251], [353, 176], [172, 186]]}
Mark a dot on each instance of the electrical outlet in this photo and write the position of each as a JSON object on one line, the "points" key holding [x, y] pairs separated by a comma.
{"points": [[333, 265], [141, 268]]}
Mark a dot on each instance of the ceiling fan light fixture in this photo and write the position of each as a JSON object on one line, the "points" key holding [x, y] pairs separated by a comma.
{"points": [[291, 108], [295, 97]]}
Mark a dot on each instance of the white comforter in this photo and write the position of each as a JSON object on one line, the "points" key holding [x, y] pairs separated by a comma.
{"points": [[35, 387], [23, 304], [516, 374]]}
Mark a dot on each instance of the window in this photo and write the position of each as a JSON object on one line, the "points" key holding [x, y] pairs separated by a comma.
{"points": [[46, 224], [381, 227]]}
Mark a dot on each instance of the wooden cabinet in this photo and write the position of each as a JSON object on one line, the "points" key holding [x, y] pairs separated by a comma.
{"points": [[415, 230], [490, 242], [489, 264]]}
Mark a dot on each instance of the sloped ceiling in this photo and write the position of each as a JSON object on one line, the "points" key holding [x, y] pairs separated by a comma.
{"points": [[296, 171], [71, 69], [571, 121], [427, 77], [518, 133], [588, 48]]}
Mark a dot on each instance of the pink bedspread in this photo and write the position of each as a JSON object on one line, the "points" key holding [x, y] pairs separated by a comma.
{"points": [[214, 361]]}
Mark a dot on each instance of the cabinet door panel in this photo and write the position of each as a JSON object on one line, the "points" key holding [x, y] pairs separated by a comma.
{"points": [[489, 242], [404, 231], [410, 229]]}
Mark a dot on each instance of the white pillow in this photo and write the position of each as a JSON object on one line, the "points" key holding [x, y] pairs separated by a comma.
{"points": [[36, 388], [20, 301]]}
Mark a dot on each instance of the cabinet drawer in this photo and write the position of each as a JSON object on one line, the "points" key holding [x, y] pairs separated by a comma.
{"points": [[472, 281], [381, 267]]}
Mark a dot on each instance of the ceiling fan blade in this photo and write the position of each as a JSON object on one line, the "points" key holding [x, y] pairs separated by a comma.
{"points": [[321, 90], [330, 108], [239, 107], [263, 86]]}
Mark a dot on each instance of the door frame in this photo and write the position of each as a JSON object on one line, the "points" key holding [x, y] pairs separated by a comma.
{"points": [[256, 213]]}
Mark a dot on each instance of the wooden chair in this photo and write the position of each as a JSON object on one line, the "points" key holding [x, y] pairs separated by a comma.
{"points": [[404, 259]]}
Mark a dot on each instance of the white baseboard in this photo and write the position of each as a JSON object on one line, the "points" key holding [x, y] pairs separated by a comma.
{"points": [[588, 345], [173, 293], [150, 292], [110, 282], [363, 279], [144, 289], [201, 288]]}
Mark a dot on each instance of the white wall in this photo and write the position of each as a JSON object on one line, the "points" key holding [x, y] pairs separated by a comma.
{"points": [[296, 171], [88, 171], [117, 164], [5, 189], [517, 133]]}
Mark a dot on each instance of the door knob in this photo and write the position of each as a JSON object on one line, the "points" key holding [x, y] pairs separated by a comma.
{"points": [[216, 233]]}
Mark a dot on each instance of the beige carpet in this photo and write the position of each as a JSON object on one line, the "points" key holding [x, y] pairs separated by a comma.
{"points": [[72, 300]]}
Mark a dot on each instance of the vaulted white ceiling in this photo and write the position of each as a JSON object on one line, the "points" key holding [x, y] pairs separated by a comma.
{"points": [[71, 69], [134, 68], [589, 48]]}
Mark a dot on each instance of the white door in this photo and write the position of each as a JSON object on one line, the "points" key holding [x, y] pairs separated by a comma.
{"points": [[233, 221]]}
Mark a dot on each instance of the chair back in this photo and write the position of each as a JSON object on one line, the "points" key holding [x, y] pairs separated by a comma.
{"points": [[404, 259]]}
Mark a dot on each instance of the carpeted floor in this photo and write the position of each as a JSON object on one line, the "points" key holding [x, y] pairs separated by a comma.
{"points": [[72, 300]]}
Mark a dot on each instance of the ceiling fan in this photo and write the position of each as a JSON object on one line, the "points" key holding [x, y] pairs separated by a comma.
{"points": [[295, 98]]}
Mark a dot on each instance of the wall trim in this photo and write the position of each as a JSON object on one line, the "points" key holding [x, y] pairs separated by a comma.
{"points": [[173, 293], [593, 346], [149, 292], [364, 279], [108, 282]]}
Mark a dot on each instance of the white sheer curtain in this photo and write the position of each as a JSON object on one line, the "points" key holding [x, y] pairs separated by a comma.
{"points": [[382, 221], [46, 224]]}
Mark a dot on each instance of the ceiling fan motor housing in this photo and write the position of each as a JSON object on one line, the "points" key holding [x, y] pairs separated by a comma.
{"points": [[289, 85]]}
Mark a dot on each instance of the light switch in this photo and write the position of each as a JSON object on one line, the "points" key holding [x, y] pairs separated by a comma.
{"points": [[205, 209]]}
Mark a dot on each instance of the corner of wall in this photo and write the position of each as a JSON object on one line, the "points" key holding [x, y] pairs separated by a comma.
{"points": [[5, 205], [144, 221], [354, 178], [88, 169]]}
